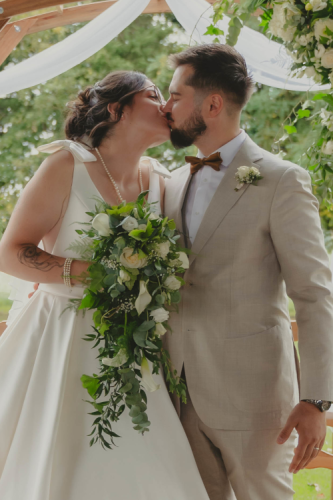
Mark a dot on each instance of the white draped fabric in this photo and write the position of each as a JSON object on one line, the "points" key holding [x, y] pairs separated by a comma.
{"points": [[267, 60]]}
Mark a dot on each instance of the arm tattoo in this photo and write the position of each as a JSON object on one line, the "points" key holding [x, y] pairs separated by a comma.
{"points": [[32, 256]]}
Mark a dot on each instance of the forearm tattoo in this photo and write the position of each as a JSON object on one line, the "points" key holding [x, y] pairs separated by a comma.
{"points": [[31, 256]]}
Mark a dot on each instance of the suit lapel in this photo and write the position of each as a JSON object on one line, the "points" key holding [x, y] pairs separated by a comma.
{"points": [[225, 196]]}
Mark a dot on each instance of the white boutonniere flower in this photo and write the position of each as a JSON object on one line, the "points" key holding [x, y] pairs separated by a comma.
{"points": [[247, 175]]}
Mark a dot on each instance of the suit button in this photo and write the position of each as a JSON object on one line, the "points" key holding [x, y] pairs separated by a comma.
{"points": [[191, 283]]}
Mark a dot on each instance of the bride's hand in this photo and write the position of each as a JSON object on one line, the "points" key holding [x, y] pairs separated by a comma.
{"points": [[36, 285]]}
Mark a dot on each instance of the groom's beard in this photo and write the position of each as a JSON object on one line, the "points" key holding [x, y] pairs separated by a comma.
{"points": [[186, 135]]}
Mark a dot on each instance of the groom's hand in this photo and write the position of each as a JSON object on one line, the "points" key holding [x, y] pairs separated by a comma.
{"points": [[310, 423]]}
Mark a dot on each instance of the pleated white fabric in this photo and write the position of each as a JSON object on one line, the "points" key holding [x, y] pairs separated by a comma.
{"points": [[44, 421]]}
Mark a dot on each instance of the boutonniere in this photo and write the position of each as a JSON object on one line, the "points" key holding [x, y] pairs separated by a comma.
{"points": [[247, 175]]}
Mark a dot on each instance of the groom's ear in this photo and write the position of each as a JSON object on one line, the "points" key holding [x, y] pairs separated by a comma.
{"points": [[216, 105]]}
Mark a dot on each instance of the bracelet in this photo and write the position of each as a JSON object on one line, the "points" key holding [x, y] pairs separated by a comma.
{"points": [[67, 272]]}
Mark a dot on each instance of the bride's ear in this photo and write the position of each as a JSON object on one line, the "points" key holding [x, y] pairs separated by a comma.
{"points": [[113, 110]]}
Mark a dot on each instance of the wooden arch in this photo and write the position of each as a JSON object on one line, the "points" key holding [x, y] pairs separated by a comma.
{"points": [[11, 33]]}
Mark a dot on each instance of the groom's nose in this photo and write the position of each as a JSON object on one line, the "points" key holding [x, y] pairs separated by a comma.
{"points": [[166, 108]]}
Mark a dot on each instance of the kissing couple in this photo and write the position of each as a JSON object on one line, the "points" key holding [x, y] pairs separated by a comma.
{"points": [[252, 225]]}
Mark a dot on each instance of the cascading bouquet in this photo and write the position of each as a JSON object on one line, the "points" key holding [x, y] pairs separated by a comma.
{"points": [[132, 277]]}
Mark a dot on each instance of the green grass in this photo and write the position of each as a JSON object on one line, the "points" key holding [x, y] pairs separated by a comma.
{"points": [[5, 305], [314, 484]]}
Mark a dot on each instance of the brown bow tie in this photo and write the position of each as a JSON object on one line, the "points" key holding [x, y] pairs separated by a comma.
{"points": [[213, 161]]}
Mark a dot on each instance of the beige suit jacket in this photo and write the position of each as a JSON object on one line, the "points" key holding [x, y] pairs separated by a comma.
{"points": [[233, 332]]}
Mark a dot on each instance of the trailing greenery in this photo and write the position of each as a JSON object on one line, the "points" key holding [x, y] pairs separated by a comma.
{"points": [[131, 279]]}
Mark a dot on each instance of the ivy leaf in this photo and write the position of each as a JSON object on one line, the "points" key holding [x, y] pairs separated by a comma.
{"points": [[303, 113], [291, 129], [91, 384], [213, 30]]}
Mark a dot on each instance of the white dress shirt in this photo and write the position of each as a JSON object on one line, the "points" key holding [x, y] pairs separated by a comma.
{"points": [[204, 184]]}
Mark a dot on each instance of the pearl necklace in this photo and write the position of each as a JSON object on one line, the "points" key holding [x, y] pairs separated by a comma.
{"points": [[113, 181]]}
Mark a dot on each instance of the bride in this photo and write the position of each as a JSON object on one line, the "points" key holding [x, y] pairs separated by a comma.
{"points": [[44, 420]]}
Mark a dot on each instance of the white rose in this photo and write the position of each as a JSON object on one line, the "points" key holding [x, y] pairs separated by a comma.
{"points": [[143, 227], [159, 329], [172, 283], [160, 315], [153, 216], [310, 72], [101, 224], [181, 261], [327, 59], [254, 170], [162, 249], [317, 5], [243, 172], [281, 14], [305, 39], [327, 148], [130, 260], [124, 276], [319, 51], [130, 223], [320, 27]]}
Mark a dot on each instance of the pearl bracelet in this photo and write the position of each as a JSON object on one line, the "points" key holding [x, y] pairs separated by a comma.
{"points": [[67, 272]]}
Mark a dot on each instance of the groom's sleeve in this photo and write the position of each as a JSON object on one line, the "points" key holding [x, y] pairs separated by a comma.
{"points": [[299, 244]]}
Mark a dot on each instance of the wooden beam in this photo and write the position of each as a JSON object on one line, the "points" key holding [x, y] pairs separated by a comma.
{"points": [[83, 13], [11, 35], [3, 23], [12, 8], [15, 7]]}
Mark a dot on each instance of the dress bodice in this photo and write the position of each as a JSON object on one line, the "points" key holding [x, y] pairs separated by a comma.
{"points": [[84, 193], [82, 199]]}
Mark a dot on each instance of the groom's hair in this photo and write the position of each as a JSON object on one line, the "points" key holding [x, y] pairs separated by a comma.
{"points": [[217, 67]]}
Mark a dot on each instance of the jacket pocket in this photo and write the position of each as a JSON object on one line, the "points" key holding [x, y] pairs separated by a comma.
{"points": [[258, 370]]}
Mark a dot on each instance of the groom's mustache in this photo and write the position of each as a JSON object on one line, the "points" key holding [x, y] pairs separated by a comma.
{"points": [[168, 117]]}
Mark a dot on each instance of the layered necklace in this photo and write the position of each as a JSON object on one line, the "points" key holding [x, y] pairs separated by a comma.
{"points": [[112, 179]]}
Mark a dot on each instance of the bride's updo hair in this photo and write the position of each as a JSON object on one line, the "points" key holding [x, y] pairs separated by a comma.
{"points": [[88, 114]]}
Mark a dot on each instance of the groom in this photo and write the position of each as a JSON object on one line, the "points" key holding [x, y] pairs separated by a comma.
{"points": [[250, 247]]}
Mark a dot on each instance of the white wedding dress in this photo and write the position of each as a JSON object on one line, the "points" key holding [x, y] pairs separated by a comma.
{"points": [[44, 421]]}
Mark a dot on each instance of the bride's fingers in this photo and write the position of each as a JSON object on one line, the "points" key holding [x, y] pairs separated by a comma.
{"points": [[36, 285]]}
